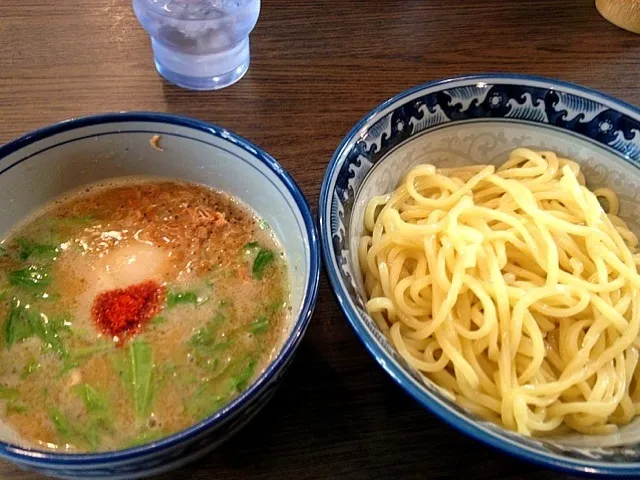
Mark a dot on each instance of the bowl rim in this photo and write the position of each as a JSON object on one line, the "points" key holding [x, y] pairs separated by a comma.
{"points": [[33, 456], [461, 423]]}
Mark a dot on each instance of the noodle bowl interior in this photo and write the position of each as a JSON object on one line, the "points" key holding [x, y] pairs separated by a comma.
{"points": [[514, 288], [133, 310]]}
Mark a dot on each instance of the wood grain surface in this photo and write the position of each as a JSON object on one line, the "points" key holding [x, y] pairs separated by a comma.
{"points": [[317, 67]]}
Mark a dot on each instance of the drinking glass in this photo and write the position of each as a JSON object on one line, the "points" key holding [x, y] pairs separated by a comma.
{"points": [[199, 44]]}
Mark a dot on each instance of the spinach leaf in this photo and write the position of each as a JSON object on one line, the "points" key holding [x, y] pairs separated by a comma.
{"points": [[32, 276], [274, 306], [96, 405], [20, 324], [137, 374], [50, 330], [176, 298], [29, 248], [91, 435], [261, 325], [92, 400], [68, 364], [62, 424], [262, 260], [205, 402], [24, 322], [88, 434], [241, 379]]}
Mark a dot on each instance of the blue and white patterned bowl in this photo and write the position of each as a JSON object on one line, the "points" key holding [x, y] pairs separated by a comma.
{"points": [[479, 119], [48, 162]]}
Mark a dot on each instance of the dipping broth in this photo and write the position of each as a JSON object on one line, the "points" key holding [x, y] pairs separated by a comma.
{"points": [[133, 310]]}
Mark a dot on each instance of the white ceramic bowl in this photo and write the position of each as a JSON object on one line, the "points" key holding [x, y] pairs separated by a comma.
{"points": [[46, 163], [479, 119]]}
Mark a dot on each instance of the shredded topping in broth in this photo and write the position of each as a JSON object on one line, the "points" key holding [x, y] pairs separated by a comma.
{"points": [[133, 310]]}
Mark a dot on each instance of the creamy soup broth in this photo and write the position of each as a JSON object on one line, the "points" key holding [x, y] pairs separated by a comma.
{"points": [[133, 310]]}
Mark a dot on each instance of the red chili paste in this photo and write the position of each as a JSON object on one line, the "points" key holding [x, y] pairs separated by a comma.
{"points": [[122, 312]]}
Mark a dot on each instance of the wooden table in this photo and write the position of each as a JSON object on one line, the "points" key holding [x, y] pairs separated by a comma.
{"points": [[317, 67]]}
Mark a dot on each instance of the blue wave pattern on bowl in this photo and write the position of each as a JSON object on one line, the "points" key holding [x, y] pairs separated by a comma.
{"points": [[593, 116], [48, 162], [536, 104]]}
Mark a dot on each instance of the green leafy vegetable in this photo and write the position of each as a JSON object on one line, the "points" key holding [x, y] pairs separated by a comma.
{"points": [[50, 330], [206, 337], [32, 366], [20, 323], [261, 325], [205, 402], [7, 393], [62, 424], [274, 306], [240, 381], [24, 322], [159, 320], [209, 364], [183, 378], [92, 400], [32, 276], [209, 397], [92, 350], [176, 298], [14, 408], [77, 356], [30, 249], [205, 344], [137, 373], [89, 434], [262, 260], [96, 405], [251, 246], [68, 364]]}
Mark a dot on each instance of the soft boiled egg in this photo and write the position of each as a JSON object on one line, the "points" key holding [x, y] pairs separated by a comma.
{"points": [[131, 264], [124, 265]]}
